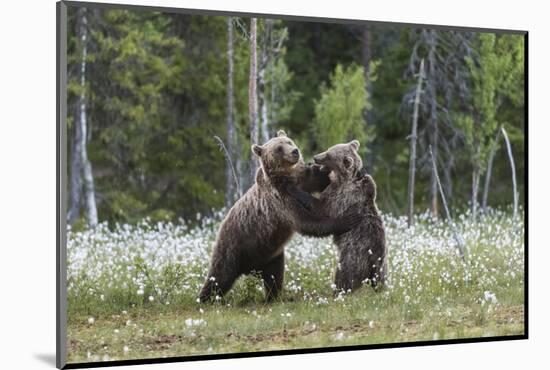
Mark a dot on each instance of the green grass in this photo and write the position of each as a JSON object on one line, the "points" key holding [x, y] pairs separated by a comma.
{"points": [[139, 284]]}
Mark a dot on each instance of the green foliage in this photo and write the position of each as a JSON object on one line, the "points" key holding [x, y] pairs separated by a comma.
{"points": [[339, 113], [495, 75], [281, 98], [156, 95]]}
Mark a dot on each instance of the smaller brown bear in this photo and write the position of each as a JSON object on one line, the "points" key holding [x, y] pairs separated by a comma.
{"points": [[252, 236], [362, 250]]}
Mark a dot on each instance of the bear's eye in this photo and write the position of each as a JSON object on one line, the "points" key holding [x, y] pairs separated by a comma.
{"points": [[279, 148]]}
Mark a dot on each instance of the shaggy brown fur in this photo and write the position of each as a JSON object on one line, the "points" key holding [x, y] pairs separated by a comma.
{"points": [[253, 234], [362, 250]]}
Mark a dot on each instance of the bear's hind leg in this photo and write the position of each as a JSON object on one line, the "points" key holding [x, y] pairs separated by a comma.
{"points": [[377, 274], [348, 276], [341, 279], [273, 277], [220, 279]]}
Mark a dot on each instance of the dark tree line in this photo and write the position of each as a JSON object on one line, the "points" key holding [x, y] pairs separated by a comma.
{"points": [[164, 108]]}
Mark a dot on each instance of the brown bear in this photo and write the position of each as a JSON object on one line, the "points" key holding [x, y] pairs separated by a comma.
{"points": [[362, 250], [252, 236]]}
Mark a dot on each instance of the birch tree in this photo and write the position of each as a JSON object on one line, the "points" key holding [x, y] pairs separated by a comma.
{"points": [[87, 175], [493, 73], [489, 172], [513, 168], [265, 57], [229, 172], [82, 180], [509, 86], [413, 137], [252, 96]]}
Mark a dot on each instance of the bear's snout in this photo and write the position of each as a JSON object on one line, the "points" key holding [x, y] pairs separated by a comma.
{"points": [[296, 153]]}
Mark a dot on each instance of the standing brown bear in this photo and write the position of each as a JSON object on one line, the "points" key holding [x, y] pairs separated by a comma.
{"points": [[362, 250], [253, 234]]}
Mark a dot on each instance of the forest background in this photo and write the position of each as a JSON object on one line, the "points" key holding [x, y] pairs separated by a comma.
{"points": [[163, 108]]}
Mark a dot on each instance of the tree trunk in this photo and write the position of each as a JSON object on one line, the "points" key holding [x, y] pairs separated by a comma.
{"points": [[265, 58], [434, 137], [447, 180], [264, 121], [412, 160], [510, 156], [229, 181], [366, 53], [475, 188], [366, 57], [76, 169], [489, 173], [262, 93], [252, 97], [434, 207], [88, 179]]}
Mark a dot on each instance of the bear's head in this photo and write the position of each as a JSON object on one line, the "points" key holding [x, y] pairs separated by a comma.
{"points": [[279, 155], [342, 159]]}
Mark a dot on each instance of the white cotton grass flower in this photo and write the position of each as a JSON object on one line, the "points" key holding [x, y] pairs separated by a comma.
{"points": [[428, 246], [151, 298], [91, 320], [490, 297], [339, 336], [125, 349], [321, 301], [194, 322]]}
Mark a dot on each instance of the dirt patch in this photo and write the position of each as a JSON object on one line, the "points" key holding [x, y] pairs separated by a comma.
{"points": [[507, 315], [73, 345], [163, 341]]}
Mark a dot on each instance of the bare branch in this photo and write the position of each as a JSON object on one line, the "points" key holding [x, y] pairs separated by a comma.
{"points": [[461, 245], [230, 162], [510, 156]]}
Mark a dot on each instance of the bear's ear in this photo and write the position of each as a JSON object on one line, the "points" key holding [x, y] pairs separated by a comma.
{"points": [[354, 144], [348, 162], [281, 133], [256, 149]]}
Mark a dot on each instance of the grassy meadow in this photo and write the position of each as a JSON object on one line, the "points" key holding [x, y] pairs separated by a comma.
{"points": [[132, 291]]}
